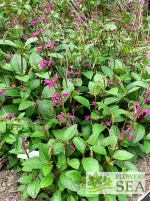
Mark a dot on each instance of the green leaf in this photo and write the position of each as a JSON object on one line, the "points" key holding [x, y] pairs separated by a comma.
{"points": [[58, 148], [24, 78], [33, 163], [82, 101], [74, 175], [93, 138], [97, 128], [113, 91], [74, 163], [107, 71], [2, 127], [43, 75], [133, 89], [44, 157], [57, 196], [25, 179], [25, 104], [117, 65], [25, 194], [45, 108], [147, 147], [111, 100], [90, 165], [110, 198], [102, 106], [122, 155], [99, 150], [130, 166], [70, 198], [69, 183], [33, 189], [46, 93], [10, 139], [38, 134], [8, 42], [122, 197], [18, 63], [46, 181], [46, 169], [82, 192], [111, 26], [80, 144], [88, 74], [55, 55], [30, 40], [35, 59], [12, 92], [139, 133], [140, 83], [70, 132]]}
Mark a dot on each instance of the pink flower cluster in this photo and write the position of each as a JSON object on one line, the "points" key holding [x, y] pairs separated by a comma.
{"points": [[70, 72], [33, 22], [50, 83], [107, 123], [140, 112], [45, 63], [87, 117], [2, 92], [50, 46], [9, 116], [35, 34], [61, 117], [55, 98]]}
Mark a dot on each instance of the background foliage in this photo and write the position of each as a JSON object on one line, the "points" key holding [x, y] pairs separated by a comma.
{"points": [[74, 85]]}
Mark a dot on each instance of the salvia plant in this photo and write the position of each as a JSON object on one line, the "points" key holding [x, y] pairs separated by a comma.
{"points": [[74, 88]]}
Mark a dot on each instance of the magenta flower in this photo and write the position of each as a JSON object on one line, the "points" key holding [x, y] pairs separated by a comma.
{"points": [[88, 117], [2, 93], [93, 103], [39, 48], [25, 139], [121, 134], [69, 72], [72, 147], [70, 79], [128, 130], [147, 112], [43, 64], [72, 117], [12, 116], [118, 83], [10, 199], [26, 147], [54, 99], [54, 96], [127, 27], [58, 117], [34, 34], [130, 137], [50, 62], [46, 82], [66, 94], [33, 22], [77, 73], [51, 45], [102, 123], [108, 123]]}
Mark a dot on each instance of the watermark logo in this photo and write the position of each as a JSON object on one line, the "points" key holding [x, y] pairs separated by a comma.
{"points": [[115, 182]]}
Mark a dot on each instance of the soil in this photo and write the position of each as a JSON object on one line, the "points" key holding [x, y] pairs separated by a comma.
{"points": [[9, 181]]}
